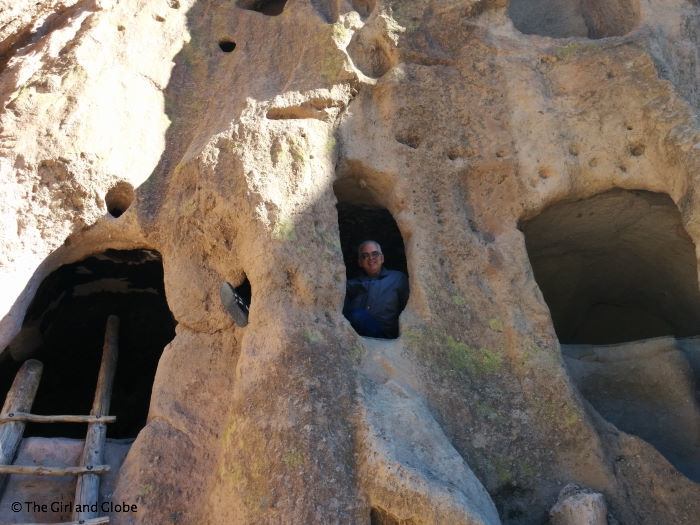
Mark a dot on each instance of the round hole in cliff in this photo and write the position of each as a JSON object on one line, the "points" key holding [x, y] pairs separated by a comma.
{"points": [[618, 266], [574, 18], [64, 328], [119, 198], [266, 7], [227, 45], [371, 54]]}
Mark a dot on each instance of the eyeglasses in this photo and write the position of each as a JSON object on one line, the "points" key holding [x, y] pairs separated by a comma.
{"points": [[366, 255]]}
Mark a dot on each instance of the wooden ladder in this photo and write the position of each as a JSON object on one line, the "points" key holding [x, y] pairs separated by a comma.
{"points": [[15, 414]]}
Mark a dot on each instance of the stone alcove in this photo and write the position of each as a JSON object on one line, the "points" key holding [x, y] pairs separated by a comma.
{"points": [[574, 18], [266, 7], [619, 274], [359, 222], [618, 266], [361, 216], [64, 328]]}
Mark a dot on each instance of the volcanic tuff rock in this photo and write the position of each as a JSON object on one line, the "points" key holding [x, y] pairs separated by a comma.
{"points": [[222, 135]]}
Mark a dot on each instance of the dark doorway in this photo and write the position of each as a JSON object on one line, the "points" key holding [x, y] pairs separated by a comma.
{"points": [[615, 267], [619, 267], [67, 319], [359, 223]]}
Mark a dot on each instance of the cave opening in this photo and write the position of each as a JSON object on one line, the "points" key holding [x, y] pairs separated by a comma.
{"points": [[619, 274], [362, 217], [64, 328], [358, 223], [266, 7], [574, 18], [618, 266]]}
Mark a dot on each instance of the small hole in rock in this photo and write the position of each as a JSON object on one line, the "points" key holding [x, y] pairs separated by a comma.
{"points": [[119, 198], [227, 45], [637, 149], [408, 138]]}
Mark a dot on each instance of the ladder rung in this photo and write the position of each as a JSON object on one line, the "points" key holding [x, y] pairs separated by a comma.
{"points": [[53, 471], [92, 521], [35, 418]]}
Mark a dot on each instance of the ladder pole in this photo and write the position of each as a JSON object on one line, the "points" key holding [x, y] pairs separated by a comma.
{"points": [[19, 399], [87, 489]]}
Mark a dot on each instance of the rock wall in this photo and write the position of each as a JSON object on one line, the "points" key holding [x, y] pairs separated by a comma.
{"points": [[239, 129]]}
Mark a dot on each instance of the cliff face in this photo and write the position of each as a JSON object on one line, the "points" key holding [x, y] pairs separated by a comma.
{"points": [[223, 134]]}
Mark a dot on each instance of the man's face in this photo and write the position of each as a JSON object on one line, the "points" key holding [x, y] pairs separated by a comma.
{"points": [[370, 259]]}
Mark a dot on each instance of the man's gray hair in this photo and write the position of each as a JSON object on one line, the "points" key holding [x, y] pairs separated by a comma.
{"points": [[365, 243]]}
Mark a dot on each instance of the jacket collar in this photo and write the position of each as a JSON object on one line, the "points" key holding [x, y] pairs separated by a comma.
{"points": [[382, 273]]}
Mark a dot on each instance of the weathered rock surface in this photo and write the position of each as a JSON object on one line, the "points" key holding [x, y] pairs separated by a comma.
{"points": [[646, 388], [411, 470], [577, 506], [443, 113]]}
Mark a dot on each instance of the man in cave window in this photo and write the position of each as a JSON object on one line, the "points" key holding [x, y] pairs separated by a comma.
{"points": [[373, 301]]}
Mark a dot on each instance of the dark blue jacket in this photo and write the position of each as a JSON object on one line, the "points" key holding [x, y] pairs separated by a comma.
{"points": [[383, 296]]}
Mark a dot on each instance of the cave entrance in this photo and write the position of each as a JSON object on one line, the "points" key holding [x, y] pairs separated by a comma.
{"points": [[574, 18], [64, 329], [615, 267], [357, 223], [361, 217], [619, 273]]}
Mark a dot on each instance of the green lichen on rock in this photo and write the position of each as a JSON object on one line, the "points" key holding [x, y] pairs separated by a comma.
{"points": [[145, 490], [447, 354], [284, 231], [340, 33], [555, 414], [246, 472], [228, 431], [488, 412], [294, 458], [312, 336], [357, 351], [496, 324], [570, 49], [330, 144], [297, 151]]}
